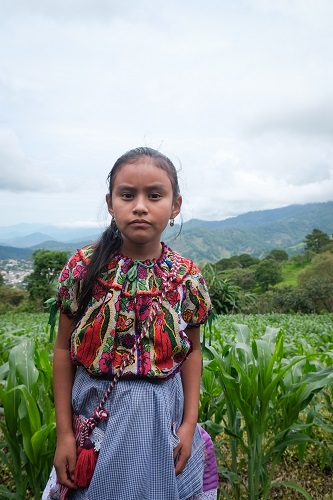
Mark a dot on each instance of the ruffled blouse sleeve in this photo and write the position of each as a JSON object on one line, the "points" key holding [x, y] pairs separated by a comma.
{"points": [[196, 304], [69, 283]]}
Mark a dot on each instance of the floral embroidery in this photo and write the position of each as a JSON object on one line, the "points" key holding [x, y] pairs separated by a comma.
{"points": [[128, 340], [99, 291], [105, 362], [79, 272], [64, 275], [64, 292], [115, 316], [144, 306]]}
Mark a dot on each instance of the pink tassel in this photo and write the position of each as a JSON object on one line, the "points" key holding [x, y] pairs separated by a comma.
{"points": [[85, 464]]}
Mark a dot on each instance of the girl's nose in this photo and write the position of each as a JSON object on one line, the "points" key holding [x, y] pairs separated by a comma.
{"points": [[140, 206]]}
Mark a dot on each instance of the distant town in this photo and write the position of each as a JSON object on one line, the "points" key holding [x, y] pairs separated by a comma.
{"points": [[14, 271]]}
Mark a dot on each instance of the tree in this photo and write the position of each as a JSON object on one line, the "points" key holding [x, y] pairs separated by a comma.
{"points": [[316, 283], [47, 267], [2, 281], [227, 263], [318, 295], [222, 291], [11, 298], [247, 260], [301, 260], [321, 268], [268, 272], [226, 297], [244, 278], [317, 241], [278, 255]]}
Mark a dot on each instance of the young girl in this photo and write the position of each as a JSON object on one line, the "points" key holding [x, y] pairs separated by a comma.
{"points": [[131, 313]]}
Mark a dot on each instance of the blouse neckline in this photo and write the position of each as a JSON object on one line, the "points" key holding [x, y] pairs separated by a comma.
{"points": [[148, 262]]}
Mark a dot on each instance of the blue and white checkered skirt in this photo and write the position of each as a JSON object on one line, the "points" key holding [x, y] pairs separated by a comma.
{"points": [[136, 456]]}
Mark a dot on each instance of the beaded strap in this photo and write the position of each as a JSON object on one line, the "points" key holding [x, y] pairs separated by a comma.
{"points": [[85, 426]]}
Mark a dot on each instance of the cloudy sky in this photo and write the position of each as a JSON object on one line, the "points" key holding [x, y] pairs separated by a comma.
{"points": [[238, 93]]}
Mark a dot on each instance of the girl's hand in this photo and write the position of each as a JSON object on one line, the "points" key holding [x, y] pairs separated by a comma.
{"points": [[183, 450], [65, 459]]}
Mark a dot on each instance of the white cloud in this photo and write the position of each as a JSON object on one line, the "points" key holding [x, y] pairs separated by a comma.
{"points": [[239, 93], [20, 173]]}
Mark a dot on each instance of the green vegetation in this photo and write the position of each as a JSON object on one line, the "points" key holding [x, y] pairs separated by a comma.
{"points": [[266, 396], [290, 271], [317, 241], [47, 267], [267, 391], [274, 284], [37, 286], [27, 423], [267, 383], [254, 233]]}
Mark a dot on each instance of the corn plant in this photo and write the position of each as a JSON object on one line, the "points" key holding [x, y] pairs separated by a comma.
{"points": [[28, 423], [264, 395], [320, 414]]}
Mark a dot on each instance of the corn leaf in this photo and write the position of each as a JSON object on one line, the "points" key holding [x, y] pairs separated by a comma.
{"points": [[21, 361]]}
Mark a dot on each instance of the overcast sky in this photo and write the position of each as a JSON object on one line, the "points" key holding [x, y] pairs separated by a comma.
{"points": [[238, 93]]}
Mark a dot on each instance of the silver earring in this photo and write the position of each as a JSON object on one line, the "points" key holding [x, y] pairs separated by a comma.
{"points": [[172, 222], [114, 226]]}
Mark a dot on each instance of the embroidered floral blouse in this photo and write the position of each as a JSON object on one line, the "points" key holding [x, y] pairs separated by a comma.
{"points": [[121, 302]]}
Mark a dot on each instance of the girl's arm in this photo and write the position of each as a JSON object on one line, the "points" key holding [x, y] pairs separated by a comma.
{"points": [[63, 377], [191, 375]]}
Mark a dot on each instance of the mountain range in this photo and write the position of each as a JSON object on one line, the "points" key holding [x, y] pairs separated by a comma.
{"points": [[255, 233]]}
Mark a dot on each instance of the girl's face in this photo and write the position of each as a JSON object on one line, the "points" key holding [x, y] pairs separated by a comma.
{"points": [[142, 204]]}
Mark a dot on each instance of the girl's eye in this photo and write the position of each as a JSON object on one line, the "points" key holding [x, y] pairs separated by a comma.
{"points": [[155, 196], [127, 196]]}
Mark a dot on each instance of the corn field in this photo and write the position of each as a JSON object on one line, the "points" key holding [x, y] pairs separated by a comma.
{"points": [[267, 388]]}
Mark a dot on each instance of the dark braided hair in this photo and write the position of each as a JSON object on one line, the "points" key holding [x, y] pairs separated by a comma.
{"points": [[111, 241]]}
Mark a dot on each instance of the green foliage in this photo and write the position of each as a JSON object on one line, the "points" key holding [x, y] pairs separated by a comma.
{"points": [[244, 278], [254, 233], [321, 268], [290, 271], [262, 390], [301, 260], [28, 425], [225, 295], [51, 305], [47, 267], [316, 283], [277, 377], [1, 280], [317, 241], [14, 327], [247, 260], [237, 261], [268, 272], [278, 255], [11, 298]]}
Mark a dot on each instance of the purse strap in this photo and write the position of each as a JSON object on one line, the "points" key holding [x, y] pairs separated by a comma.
{"points": [[166, 286], [100, 413]]}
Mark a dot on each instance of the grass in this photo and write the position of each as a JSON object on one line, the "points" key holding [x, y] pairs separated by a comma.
{"points": [[290, 273]]}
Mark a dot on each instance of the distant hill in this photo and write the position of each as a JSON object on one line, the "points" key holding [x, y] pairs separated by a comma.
{"points": [[26, 241], [7, 253], [255, 233]]}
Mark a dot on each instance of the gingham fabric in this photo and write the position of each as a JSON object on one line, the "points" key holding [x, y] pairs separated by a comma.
{"points": [[136, 457]]}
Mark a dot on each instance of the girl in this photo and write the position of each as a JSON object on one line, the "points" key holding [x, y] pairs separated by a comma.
{"points": [[131, 313]]}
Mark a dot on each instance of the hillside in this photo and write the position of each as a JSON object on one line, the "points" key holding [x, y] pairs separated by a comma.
{"points": [[255, 233]]}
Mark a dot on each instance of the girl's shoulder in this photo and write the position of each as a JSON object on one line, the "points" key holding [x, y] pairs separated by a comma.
{"points": [[187, 268], [82, 256]]}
